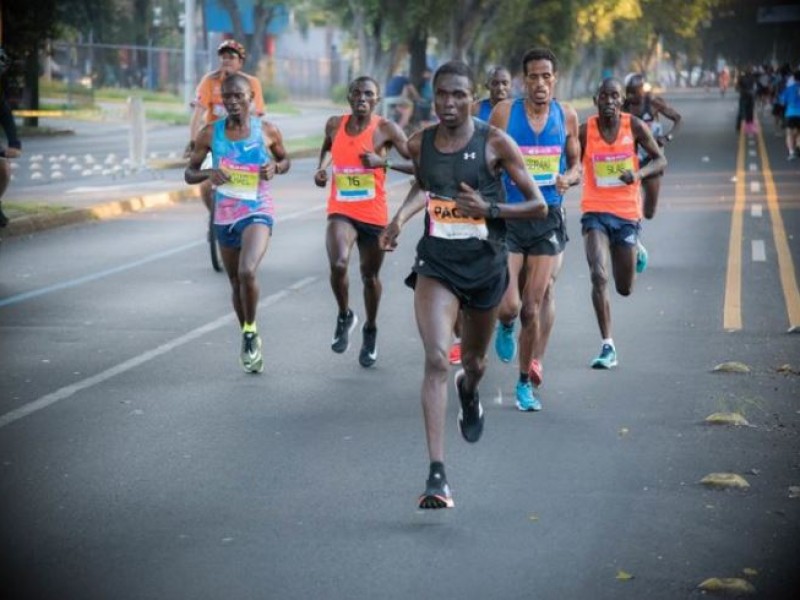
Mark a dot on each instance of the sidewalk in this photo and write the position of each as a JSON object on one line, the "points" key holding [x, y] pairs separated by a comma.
{"points": [[37, 205]]}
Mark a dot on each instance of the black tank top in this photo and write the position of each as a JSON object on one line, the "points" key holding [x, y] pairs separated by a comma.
{"points": [[469, 262]]}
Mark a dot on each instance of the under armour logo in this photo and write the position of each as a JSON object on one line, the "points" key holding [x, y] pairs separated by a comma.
{"points": [[469, 155]]}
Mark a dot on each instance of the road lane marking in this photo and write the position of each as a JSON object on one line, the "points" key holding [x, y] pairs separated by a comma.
{"points": [[758, 251], [732, 307], [753, 167], [130, 364], [756, 210], [752, 152], [755, 187], [16, 299], [785, 263]]}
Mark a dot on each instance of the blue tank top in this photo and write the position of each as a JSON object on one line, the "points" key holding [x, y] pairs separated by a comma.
{"points": [[246, 193], [484, 109], [543, 152]]}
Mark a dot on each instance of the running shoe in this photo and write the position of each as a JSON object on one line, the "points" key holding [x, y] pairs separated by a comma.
{"points": [[504, 343], [437, 493], [470, 415], [535, 372], [344, 327], [641, 257], [251, 357], [606, 359], [455, 353], [369, 348], [526, 400]]}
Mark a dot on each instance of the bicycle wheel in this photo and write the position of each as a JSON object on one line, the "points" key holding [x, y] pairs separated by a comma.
{"points": [[213, 245]]}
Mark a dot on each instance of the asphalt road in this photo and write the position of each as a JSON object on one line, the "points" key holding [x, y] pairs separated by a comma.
{"points": [[138, 461]]}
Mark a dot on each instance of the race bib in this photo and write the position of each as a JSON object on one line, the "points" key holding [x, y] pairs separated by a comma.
{"points": [[542, 162], [448, 223], [608, 168], [354, 184], [243, 183]]}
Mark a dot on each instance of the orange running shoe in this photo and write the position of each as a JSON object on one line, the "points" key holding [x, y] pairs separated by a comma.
{"points": [[535, 372], [455, 353]]}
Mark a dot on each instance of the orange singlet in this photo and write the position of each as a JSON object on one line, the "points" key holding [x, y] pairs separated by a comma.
{"points": [[603, 163], [357, 192]]}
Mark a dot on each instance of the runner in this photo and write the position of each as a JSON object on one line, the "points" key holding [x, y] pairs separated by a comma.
{"points": [[547, 133], [208, 104], [247, 153], [461, 257], [14, 147], [610, 203], [649, 108], [498, 82], [790, 98], [357, 208], [724, 81]]}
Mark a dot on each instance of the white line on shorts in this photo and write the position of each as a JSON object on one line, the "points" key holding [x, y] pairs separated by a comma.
{"points": [[123, 367], [759, 251]]}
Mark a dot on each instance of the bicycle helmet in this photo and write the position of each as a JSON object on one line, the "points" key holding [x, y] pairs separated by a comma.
{"points": [[232, 46]]}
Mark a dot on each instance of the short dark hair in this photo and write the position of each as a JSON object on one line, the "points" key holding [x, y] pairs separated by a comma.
{"points": [[455, 67], [608, 81], [234, 77], [362, 79], [539, 54], [494, 71]]}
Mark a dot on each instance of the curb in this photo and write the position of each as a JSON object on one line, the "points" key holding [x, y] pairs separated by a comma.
{"points": [[98, 212]]}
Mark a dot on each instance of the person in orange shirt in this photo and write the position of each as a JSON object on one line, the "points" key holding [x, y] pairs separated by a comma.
{"points": [[357, 208], [610, 204], [208, 106]]}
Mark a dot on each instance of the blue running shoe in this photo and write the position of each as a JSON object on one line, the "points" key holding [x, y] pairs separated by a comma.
{"points": [[504, 342], [641, 257], [526, 401], [607, 358]]}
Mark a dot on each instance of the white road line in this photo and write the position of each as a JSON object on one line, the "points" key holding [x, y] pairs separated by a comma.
{"points": [[131, 265], [123, 367], [752, 152], [756, 210], [753, 167], [759, 251], [755, 187]]}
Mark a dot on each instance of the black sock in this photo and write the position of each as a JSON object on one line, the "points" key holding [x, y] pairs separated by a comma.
{"points": [[437, 467], [524, 377]]}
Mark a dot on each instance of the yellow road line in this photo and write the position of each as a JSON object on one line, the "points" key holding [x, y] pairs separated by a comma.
{"points": [[39, 113], [732, 311], [785, 263]]}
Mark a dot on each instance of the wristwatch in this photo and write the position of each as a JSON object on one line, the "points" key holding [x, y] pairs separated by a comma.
{"points": [[668, 137], [494, 211]]}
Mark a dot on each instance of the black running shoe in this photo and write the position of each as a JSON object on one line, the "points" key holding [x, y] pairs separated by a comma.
{"points": [[470, 417], [369, 349], [437, 493], [344, 327]]}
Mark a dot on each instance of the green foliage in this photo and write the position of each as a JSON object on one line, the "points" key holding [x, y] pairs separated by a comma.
{"points": [[274, 93], [339, 93]]}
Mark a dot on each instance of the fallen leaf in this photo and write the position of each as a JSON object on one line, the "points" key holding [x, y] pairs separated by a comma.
{"points": [[732, 366], [724, 481], [623, 431], [750, 572], [787, 369], [723, 418], [794, 491], [728, 585], [623, 575], [534, 517]]}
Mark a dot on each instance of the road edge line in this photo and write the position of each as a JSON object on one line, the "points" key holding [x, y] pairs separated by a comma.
{"points": [[732, 307]]}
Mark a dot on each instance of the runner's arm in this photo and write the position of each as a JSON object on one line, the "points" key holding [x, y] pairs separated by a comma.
{"points": [[644, 138], [193, 173], [280, 162], [673, 115], [325, 156], [572, 149]]}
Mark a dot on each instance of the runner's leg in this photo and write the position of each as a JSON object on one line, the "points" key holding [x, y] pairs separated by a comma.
{"points": [[339, 239]]}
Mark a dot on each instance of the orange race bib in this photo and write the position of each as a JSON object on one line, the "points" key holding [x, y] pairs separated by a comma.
{"points": [[446, 221]]}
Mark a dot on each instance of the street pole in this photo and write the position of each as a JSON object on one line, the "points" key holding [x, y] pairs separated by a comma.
{"points": [[188, 52]]}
